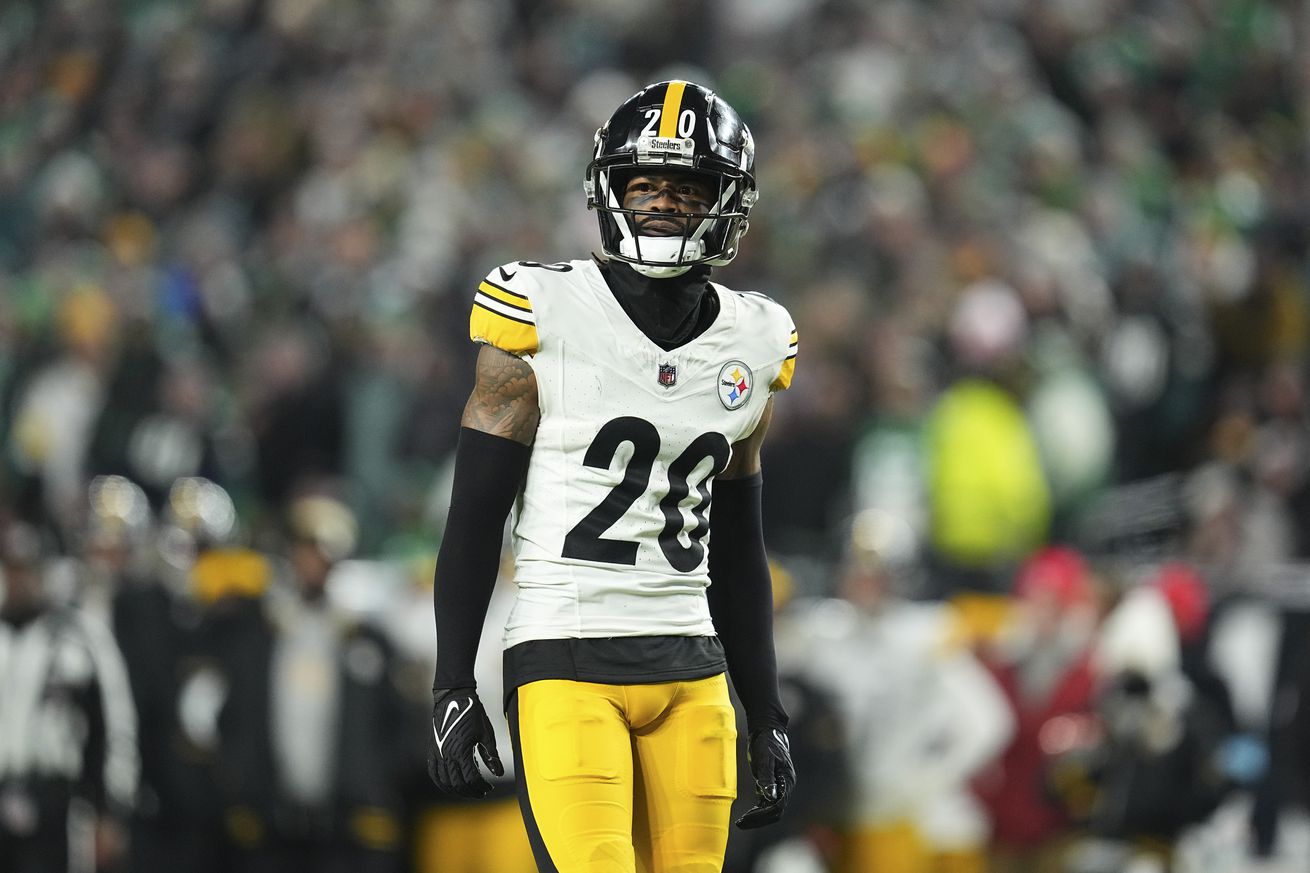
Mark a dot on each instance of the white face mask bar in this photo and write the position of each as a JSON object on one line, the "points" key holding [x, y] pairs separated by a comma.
{"points": [[718, 208]]}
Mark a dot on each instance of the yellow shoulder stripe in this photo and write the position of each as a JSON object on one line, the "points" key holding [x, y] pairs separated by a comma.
{"points": [[504, 295], [505, 333], [783, 382]]}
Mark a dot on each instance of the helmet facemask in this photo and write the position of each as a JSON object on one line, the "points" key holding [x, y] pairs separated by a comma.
{"points": [[710, 237]]}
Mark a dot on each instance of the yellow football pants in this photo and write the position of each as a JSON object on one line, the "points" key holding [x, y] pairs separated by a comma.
{"points": [[626, 778], [472, 838], [897, 847]]}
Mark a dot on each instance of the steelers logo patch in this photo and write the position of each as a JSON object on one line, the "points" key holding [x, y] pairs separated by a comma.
{"points": [[736, 382]]}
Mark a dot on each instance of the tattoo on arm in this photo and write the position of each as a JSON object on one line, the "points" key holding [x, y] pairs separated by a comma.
{"points": [[504, 398]]}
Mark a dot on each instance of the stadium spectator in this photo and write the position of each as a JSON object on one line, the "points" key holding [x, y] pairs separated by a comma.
{"points": [[311, 769], [1042, 660], [920, 718], [988, 499], [68, 756], [176, 821]]}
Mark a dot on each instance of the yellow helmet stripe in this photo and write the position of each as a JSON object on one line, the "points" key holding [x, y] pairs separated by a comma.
{"points": [[672, 106]]}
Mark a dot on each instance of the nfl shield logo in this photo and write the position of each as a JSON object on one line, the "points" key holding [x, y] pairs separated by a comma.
{"points": [[668, 375]]}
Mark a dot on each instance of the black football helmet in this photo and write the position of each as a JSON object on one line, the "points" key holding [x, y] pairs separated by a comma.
{"points": [[673, 125]]}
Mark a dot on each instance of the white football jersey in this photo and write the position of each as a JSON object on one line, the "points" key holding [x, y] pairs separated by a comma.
{"points": [[611, 528]]}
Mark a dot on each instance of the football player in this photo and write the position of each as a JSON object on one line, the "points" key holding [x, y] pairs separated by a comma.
{"points": [[614, 398]]}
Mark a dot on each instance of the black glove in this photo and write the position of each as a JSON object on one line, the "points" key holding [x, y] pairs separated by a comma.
{"points": [[769, 753], [459, 726]]}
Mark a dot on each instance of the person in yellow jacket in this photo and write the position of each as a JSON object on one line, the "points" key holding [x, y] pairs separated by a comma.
{"points": [[988, 499]]}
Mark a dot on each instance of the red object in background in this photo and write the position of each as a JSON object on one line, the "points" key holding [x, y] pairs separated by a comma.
{"points": [[1058, 571], [1015, 789], [1188, 598]]}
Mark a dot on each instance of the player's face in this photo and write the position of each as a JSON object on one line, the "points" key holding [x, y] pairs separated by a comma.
{"points": [[671, 193]]}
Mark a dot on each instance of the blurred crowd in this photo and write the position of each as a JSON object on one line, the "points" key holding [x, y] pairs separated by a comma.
{"points": [[1044, 462]]}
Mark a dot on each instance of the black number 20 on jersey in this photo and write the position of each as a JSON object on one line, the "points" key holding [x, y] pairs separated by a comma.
{"points": [[584, 542]]}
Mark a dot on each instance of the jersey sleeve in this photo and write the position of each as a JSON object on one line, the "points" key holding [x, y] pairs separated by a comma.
{"points": [[502, 313], [783, 381]]}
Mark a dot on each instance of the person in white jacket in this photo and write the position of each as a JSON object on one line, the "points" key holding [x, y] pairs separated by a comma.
{"points": [[922, 716]]}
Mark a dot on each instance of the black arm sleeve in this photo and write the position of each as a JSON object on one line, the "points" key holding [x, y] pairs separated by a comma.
{"points": [[488, 472], [741, 599]]}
